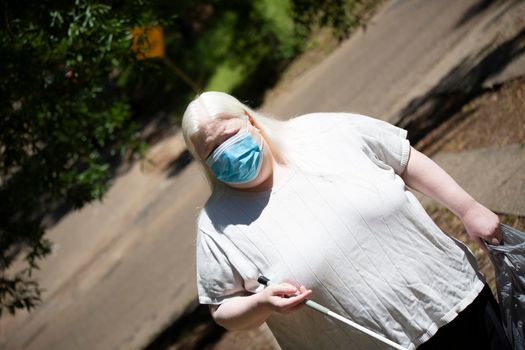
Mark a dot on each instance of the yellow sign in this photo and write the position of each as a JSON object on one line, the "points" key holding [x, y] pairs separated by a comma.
{"points": [[147, 42]]}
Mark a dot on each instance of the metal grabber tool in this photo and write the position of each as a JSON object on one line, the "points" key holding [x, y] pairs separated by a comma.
{"points": [[325, 311]]}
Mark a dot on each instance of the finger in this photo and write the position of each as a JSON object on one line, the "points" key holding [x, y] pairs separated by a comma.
{"points": [[498, 235], [297, 299], [494, 241], [493, 238], [302, 289], [283, 289], [489, 239]]}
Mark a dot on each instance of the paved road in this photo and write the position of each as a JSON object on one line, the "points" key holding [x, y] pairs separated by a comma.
{"points": [[123, 269], [495, 175], [408, 48]]}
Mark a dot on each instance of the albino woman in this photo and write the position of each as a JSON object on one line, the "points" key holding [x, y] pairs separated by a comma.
{"points": [[319, 204]]}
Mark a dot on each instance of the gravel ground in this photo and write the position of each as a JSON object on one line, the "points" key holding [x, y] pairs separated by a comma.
{"points": [[494, 119]]}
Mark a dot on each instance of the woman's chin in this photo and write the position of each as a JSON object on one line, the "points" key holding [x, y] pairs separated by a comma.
{"points": [[260, 183], [263, 181]]}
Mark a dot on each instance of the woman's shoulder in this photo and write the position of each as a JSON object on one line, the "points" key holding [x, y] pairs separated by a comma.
{"points": [[203, 218], [206, 212], [342, 122], [329, 119], [319, 118], [211, 215], [327, 123]]}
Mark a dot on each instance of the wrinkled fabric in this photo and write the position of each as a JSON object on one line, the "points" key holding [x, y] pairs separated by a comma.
{"points": [[509, 264], [350, 231]]}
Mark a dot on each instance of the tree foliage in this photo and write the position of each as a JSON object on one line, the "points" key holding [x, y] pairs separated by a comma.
{"points": [[341, 15], [63, 118], [72, 94]]}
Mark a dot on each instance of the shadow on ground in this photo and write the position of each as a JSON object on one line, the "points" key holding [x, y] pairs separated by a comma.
{"points": [[194, 329], [179, 164], [474, 11], [462, 84]]}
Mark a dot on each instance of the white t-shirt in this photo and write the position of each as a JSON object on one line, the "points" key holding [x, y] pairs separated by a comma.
{"points": [[351, 232]]}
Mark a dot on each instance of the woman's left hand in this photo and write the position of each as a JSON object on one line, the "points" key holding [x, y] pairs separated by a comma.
{"points": [[482, 224]]}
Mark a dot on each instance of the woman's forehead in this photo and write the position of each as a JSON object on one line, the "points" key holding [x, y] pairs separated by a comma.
{"points": [[213, 132]]}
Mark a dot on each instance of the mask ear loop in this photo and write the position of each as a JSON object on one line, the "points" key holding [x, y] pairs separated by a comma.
{"points": [[261, 147], [261, 138], [261, 141]]}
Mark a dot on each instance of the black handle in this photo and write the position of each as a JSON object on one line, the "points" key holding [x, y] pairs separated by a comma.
{"points": [[263, 280]]}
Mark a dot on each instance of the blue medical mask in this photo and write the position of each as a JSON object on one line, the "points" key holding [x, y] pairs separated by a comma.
{"points": [[237, 160]]}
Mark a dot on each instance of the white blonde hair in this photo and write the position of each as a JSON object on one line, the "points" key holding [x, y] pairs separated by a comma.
{"points": [[212, 105]]}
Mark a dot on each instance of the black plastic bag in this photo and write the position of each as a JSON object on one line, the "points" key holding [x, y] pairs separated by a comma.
{"points": [[509, 264]]}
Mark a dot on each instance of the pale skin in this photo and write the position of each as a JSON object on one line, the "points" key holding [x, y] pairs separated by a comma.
{"points": [[247, 312]]}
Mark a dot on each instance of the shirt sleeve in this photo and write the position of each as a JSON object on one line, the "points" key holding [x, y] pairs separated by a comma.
{"points": [[217, 278], [384, 142]]}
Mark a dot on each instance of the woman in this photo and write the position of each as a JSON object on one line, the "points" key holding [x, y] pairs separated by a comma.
{"points": [[321, 201]]}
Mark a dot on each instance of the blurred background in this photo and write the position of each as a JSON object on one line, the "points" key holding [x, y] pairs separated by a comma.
{"points": [[99, 197]]}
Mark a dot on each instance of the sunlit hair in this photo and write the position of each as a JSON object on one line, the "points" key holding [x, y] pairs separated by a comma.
{"points": [[212, 105]]}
